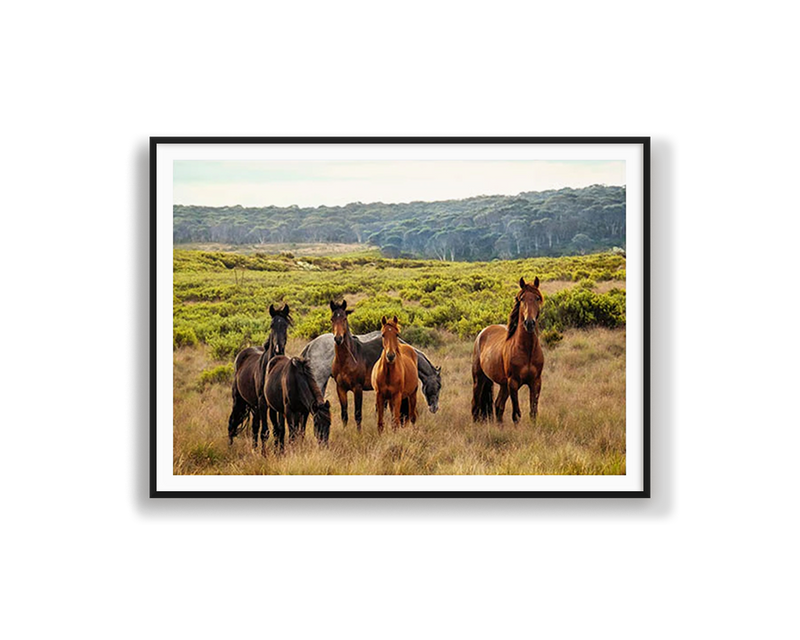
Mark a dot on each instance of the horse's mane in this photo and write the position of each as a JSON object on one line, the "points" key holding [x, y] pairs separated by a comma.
{"points": [[513, 319], [306, 384]]}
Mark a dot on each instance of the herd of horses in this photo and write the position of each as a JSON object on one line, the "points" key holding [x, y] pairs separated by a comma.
{"points": [[269, 385]]}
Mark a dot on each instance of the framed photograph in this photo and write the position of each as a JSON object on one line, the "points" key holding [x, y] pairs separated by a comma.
{"points": [[400, 317]]}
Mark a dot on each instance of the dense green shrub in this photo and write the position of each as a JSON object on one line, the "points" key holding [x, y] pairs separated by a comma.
{"points": [[582, 308], [183, 337], [421, 337], [221, 374], [227, 310], [551, 337]]}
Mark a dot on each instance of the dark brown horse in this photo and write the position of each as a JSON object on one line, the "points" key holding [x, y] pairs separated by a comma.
{"points": [[351, 369], [394, 376], [510, 356], [248, 379], [290, 390]]}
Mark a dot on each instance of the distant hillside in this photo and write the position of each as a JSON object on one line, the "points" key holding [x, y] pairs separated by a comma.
{"points": [[536, 223]]}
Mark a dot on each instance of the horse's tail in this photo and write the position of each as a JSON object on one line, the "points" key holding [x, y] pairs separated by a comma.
{"points": [[239, 413], [482, 399]]}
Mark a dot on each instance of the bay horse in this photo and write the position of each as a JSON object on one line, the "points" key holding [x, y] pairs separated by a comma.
{"points": [[248, 379], [394, 376], [350, 369], [510, 356], [290, 390]]}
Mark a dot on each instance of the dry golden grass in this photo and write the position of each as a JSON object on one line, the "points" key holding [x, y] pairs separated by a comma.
{"points": [[581, 426]]}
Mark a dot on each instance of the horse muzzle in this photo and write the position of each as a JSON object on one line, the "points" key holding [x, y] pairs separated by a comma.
{"points": [[530, 325], [338, 339], [390, 357]]}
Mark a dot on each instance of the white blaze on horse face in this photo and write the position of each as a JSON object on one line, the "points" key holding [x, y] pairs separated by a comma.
{"points": [[530, 310]]}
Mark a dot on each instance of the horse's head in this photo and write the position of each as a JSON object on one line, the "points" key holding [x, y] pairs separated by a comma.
{"points": [[431, 388], [529, 300], [279, 329], [339, 324], [390, 330]]}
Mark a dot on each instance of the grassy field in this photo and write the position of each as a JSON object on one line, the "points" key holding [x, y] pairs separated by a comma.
{"points": [[581, 426], [220, 301]]}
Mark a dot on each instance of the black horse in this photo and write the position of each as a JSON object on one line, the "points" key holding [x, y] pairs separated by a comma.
{"points": [[290, 390], [250, 368]]}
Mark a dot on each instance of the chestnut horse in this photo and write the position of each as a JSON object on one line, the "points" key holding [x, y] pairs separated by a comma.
{"points": [[509, 356], [394, 376], [250, 367], [350, 368]]}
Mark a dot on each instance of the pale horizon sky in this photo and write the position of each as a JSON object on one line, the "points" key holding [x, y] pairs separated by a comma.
{"points": [[311, 183]]}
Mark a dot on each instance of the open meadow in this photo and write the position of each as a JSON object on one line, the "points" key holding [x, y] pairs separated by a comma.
{"points": [[220, 306]]}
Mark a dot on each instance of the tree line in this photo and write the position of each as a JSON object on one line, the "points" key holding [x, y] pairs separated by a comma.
{"points": [[535, 223]]}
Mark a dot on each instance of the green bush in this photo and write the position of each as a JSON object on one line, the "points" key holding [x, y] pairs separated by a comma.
{"points": [[551, 337], [221, 374], [582, 308], [313, 324], [183, 337], [227, 346], [421, 337]]}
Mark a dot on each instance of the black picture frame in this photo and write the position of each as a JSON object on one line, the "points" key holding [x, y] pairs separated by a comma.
{"points": [[647, 497]]}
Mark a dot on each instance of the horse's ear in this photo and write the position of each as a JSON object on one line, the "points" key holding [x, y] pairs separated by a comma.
{"points": [[536, 282], [344, 304], [395, 320], [272, 310], [349, 311], [285, 310], [522, 283], [438, 369], [383, 320], [327, 404], [333, 306]]}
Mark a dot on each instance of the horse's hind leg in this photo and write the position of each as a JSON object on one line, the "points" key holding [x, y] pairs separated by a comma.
{"points": [[278, 429], [500, 402]]}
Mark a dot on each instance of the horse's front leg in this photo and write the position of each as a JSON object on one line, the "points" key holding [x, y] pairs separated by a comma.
{"points": [[358, 399], [513, 390], [256, 423], [342, 393], [380, 405], [260, 418], [293, 422], [535, 388], [412, 407], [500, 402], [397, 400]]}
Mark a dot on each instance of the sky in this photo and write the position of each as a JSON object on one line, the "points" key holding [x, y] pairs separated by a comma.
{"points": [[311, 183]]}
